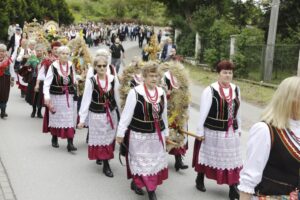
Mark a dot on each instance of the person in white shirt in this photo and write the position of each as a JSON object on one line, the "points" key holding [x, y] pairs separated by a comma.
{"points": [[271, 169], [145, 115], [218, 156], [100, 102], [59, 91]]}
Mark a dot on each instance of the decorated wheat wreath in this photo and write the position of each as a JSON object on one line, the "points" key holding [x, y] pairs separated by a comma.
{"points": [[178, 102], [81, 59]]}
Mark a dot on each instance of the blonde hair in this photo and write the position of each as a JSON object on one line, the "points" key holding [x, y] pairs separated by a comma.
{"points": [[150, 67], [282, 106]]}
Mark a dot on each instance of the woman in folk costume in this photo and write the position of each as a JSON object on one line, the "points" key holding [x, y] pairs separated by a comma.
{"points": [[45, 64], [6, 81], [100, 102], [218, 156], [34, 97], [18, 65], [145, 115], [271, 169], [59, 90], [175, 82]]}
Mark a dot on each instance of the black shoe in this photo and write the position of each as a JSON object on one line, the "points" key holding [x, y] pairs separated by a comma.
{"points": [[200, 182], [99, 162], [33, 113], [54, 142], [70, 146], [3, 113], [234, 192], [137, 190], [106, 169], [179, 164], [152, 195], [39, 113]]}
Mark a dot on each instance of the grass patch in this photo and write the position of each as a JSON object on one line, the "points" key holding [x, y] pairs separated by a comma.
{"points": [[255, 94]]}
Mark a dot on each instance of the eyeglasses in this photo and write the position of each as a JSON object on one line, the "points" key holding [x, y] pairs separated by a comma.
{"points": [[100, 66]]}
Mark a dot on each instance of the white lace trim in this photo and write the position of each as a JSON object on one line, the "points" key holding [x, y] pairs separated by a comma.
{"points": [[65, 117], [147, 155], [219, 151], [100, 131]]}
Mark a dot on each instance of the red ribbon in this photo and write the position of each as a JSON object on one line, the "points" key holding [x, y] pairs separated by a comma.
{"points": [[108, 116], [66, 90]]}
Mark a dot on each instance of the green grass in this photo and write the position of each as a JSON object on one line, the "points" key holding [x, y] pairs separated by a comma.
{"points": [[255, 94]]}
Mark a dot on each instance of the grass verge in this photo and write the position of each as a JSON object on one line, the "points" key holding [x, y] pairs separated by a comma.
{"points": [[255, 94]]}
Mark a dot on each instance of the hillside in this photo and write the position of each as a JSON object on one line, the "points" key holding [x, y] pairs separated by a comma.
{"points": [[95, 10]]}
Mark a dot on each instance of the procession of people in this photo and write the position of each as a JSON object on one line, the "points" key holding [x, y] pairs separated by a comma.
{"points": [[145, 110]]}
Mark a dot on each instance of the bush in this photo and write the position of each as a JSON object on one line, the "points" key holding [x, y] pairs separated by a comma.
{"points": [[211, 57], [240, 70]]}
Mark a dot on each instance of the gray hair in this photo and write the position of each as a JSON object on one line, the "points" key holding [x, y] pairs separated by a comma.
{"points": [[33, 42], [63, 49], [3, 47], [102, 52], [98, 58]]}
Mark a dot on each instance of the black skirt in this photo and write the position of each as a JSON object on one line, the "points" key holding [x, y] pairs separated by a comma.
{"points": [[32, 97], [4, 88]]}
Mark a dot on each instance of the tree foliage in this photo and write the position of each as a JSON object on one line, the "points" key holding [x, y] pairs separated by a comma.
{"points": [[19, 11]]}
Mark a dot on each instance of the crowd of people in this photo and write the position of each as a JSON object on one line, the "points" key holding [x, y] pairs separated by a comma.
{"points": [[134, 109]]}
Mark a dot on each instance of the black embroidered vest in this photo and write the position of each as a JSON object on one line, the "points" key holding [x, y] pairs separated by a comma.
{"points": [[282, 172], [217, 118], [142, 120], [98, 102], [57, 86]]}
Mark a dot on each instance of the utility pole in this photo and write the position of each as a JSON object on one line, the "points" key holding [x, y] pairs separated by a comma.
{"points": [[271, 41]]}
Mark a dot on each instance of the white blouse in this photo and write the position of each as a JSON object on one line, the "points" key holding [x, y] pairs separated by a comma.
{"points": [[258, 152], [49, 76], [87, 95], [206, 101], [130, 104]]}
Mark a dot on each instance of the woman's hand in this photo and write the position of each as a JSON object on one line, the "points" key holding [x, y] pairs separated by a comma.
{"points": [[47, 102], [36, 88], [119, 140], [80, 125]]}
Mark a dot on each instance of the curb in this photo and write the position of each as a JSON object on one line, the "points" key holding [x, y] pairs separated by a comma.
{"points": [[6, 190]]}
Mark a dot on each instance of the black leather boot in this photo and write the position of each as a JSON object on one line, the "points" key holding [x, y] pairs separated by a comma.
{"points": [[54, 141], [200, 182], [234, 192], [137, 190], [152, 195], [179, 164], [33, 112], [70, 146], [39, 113], [106, 169]]}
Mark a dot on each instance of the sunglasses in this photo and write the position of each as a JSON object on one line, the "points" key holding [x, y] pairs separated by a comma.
{"points": [[100, 66]]}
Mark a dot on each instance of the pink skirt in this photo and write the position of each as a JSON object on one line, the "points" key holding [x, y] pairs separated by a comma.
{"points": [[101, 152], [62, 132], [222, 176], [152, 181]]}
